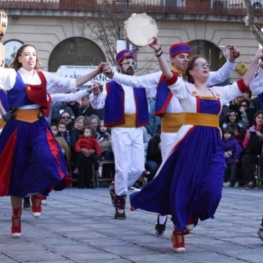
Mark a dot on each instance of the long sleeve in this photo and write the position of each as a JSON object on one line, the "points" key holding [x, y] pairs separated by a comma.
{"points": [[246, 140], [216, 77], [256, 85], [149, 82], [7, 78], [68, 97], [97, 148]]}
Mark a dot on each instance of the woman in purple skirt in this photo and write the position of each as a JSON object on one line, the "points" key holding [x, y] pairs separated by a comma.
{"points": [[31, 159], [188, 184]]}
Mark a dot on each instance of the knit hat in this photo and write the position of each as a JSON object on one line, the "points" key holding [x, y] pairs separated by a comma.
{"points": [[125, 53], [179, 48]]}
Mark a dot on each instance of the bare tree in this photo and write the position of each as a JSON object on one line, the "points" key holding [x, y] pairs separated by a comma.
{"points": [[107, 27], [249, 21]]}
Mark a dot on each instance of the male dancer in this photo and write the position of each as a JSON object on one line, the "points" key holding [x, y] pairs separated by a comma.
{"points": [[126, 110], [166, 105]]}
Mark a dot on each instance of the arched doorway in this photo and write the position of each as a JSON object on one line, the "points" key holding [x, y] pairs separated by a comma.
{"points": [[210, 51], [75, 51]]}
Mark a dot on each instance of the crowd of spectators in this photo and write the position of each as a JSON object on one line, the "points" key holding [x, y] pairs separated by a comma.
{"points": [[241, 123]]}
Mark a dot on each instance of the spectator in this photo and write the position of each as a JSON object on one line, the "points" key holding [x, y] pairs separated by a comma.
{"points": [[80, 123], [232, 117], [91, 146], [63, 132], [253, 143], [63, 144], [233, 105], [154, 156], [239, 135], [233, 152], [58, 107], [97, 99], [86, 108], [105, 143], [243, 107], [67, 118], [95, 124]]}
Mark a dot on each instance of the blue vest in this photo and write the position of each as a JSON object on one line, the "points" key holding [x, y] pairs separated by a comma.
{"points": [[114, 105]]}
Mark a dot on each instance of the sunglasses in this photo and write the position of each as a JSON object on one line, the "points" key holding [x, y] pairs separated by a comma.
{"points": [[128, 63], [65, 118], [243, 105], [202, 65]]}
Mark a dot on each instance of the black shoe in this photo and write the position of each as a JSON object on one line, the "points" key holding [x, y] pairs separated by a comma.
{"points": [[26, 204], [120, 216], [160, 228], [251, 186]]}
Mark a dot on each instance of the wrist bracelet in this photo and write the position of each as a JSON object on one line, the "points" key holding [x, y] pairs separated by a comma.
{"points": [[158, 49], [159, 54]]}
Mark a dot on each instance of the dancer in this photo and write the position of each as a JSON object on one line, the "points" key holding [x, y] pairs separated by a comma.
{"points": [[166, 105], [188, 184], [126, 110], [32, 160]]}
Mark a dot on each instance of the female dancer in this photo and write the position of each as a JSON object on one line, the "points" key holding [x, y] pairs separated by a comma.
{"points": [[31, 160], [188, 184]]}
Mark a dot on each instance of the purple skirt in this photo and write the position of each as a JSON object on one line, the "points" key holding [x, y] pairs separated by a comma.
{"points": [[31, 159], [189, 183]]}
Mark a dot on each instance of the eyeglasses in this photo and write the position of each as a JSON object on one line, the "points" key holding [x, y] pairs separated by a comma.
{"points": [[64, 118], [202, 65], [128, 63]]}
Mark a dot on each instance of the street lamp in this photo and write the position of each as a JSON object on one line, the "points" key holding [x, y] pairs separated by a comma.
{"points": [[127, 14]]}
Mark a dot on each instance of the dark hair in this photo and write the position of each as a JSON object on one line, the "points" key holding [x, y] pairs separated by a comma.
{"points": [[228, 130], [255, 116], [227, 116], [249, 93], [92, 131], [16, 64], [190, 66], [234, 126], [244, 100], [85, 97]]}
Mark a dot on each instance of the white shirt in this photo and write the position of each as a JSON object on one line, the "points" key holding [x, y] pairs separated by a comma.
{"points": [[55, 84]]}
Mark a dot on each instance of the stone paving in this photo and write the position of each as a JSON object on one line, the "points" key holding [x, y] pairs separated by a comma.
{"points": [[77, 226]]}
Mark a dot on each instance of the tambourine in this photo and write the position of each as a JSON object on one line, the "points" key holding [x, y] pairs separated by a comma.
{"points": [[140, 29], [3, 23]]}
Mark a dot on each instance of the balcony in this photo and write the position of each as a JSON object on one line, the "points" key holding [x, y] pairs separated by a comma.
{"points": [[154, 7]]}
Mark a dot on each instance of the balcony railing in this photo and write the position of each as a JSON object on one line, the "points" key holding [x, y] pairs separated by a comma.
{"points": [[176, 7]]}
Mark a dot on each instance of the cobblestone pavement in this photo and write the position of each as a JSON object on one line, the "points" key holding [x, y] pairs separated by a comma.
{"points": [[77, 225]]}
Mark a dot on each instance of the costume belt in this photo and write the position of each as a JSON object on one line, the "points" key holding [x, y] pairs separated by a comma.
{"points": [[130, 121], [27, 115], [171, 122], [2, 123]]}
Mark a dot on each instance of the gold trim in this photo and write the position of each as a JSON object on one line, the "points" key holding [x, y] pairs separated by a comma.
{"points": [[130, 121], [27, 115], [2, 123], [171, 122]]}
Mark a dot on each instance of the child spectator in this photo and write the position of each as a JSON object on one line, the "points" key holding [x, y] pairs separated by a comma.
{"points": [[62, 142], [233, 152], [232, 117], [104, 141], [91, 147], [63, 132], [239, 135]]}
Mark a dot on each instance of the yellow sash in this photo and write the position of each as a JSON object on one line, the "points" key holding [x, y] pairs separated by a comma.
{"points": [[171, 122]]}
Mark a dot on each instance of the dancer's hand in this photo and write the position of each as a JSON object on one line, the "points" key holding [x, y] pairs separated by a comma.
{"points": [[155, 45], [234, 53]]}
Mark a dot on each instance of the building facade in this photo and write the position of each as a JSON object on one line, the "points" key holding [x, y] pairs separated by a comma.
{"points": [[63, 30]]}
